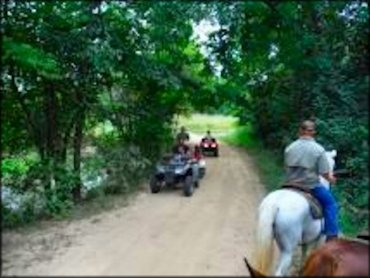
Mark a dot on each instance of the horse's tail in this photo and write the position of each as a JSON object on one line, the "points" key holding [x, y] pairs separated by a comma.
{"points": [[265, 236]]}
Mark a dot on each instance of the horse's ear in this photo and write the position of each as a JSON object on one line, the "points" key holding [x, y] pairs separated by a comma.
{"points": [[334, 153], [253, 272]]}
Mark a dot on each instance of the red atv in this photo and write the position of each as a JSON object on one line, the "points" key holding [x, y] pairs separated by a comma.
{"points": [[209, 146]]}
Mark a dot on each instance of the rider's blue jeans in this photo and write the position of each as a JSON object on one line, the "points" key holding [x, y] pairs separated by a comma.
{"points": [[330, 209]]}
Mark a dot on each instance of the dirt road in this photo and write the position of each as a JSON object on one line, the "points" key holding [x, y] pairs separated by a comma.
{"points": [[156, 234]]}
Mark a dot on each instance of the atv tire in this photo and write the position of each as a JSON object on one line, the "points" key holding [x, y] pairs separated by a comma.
{"points": [[155, 187], [202, 172], [188, 186]]}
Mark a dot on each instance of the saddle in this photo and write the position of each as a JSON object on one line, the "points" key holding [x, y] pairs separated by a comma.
{"points": [[315, 206]]}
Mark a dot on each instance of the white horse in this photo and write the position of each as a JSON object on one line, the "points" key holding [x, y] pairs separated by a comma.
{"points": [[284, 215]]}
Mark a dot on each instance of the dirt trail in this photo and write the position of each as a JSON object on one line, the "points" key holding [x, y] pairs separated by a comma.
{"points": [[156, 234]]}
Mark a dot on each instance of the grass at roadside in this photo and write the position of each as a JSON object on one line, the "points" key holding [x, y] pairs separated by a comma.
{"points": [[269, 163], [200, 123]]}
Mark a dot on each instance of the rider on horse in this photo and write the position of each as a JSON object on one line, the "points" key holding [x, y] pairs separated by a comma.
{"points": [[305, 160]]}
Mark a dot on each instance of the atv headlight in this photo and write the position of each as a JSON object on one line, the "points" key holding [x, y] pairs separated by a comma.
{"points": [[178, 171]]}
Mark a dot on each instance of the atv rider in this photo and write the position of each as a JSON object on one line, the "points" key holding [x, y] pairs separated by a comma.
{"points": [[181, 148], [183, 134], [197, 154], [208, 136]]}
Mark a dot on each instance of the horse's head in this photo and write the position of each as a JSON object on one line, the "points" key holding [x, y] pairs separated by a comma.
{"points": [[331, 157], [325, 260], [253, 272]]}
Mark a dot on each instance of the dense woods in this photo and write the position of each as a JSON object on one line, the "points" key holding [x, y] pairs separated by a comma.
{"points": [[300, 60], [70, 69]]}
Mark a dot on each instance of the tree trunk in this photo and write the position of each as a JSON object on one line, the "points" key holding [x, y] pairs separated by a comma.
{"points": [[51, 122], [55, 148], [77, 145], [50, 110]]}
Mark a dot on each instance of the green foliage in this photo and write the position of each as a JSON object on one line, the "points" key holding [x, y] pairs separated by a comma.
{"points": [[353, 225], [57, 205], [14, 167], [29, 209], [96, 193], [126, 167], [200, 123], [243, 136], [132, 65], [30, 58], [17, 169], [296, 61], [59, 195], [9, 218]]}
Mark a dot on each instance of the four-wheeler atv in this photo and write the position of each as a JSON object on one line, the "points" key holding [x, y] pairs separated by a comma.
{"points": [[173, 170], [209, 146]]}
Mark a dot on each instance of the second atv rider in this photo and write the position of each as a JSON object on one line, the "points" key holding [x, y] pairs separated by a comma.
{"points": [[208, 135], [181, 147], [183, 134]]}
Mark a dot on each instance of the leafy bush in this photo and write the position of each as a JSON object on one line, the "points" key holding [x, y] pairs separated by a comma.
{"points": [[9, 218], [126, 168], [14, 166], [59, 194], [16, 169], [200, 123], [19, 209]]}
